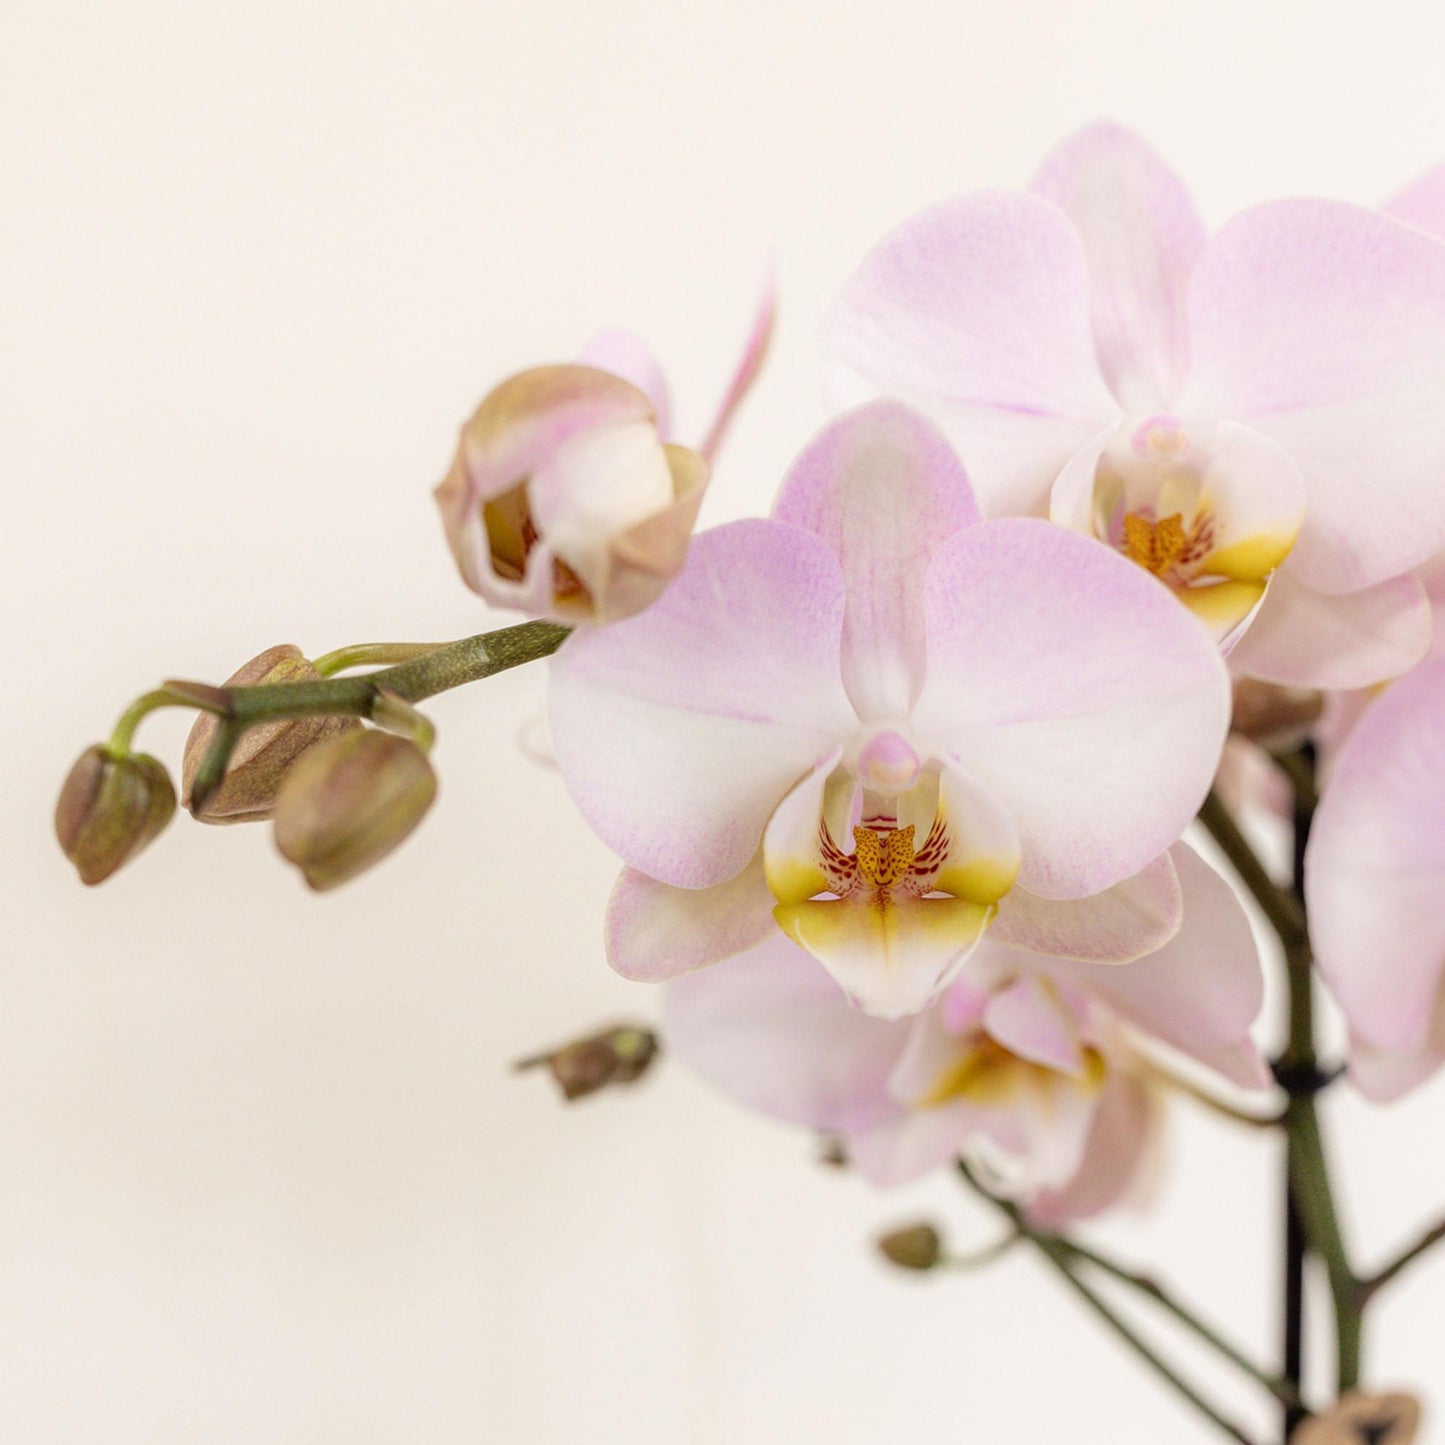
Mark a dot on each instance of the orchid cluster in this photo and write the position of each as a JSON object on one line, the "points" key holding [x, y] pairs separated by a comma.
{"points": [[1120, 552]]}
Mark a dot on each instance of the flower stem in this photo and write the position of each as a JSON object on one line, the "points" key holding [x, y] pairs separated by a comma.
{"points": [[1402, 1261], [1064, 1255], [437, 670], [168, 696], [371, 654], [1284, 1390]]}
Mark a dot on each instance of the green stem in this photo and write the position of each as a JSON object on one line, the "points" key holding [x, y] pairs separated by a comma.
{"points": [[371, 654], [1061, 1254], [978, 1258], [167, 696], [1280, 907], [1283, 1390], [1310, 1187], [1376, 1282], [439, 670]]}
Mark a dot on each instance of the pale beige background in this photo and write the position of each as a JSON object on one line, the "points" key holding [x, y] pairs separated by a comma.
{"points": [[264, 1176]]}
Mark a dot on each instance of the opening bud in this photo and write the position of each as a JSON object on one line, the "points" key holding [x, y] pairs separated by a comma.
{"points": [[348, 801], [564, 501], [1275, 717], [1363, 1419], [109, 808], [619, 1055], [265, 753], [916, 1247]]}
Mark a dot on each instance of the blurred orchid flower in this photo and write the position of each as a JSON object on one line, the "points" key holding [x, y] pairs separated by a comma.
{"points": [[567, 497], [1374, 878], [866, 720], [1256, 411], [1032, 1067]]}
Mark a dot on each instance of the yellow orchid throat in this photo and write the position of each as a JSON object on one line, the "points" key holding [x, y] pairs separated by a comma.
{"points": [[891, 917]]}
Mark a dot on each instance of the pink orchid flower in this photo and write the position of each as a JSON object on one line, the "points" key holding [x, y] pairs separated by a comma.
{"points": [[1253, 417], [879, 723], [567, 497], [1033, 1067], [1374, 880]]}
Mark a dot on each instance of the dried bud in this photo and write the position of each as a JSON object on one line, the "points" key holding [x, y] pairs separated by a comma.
{"points": [[1275, 717], [349, 801], [110, 808], [564, 501], [263, 756], [917, 1247], [618, 1055], [1361, 1419]]}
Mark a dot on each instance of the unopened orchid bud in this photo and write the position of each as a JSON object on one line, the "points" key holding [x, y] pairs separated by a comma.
{"points": [[1273, 716], [109, 808], [618, 1055], [348, 801], [917, 1247], [565, 502], [1363, 1419], [264, 754]]}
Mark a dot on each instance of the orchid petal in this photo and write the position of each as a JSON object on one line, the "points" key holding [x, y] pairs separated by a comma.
{"points": [[884, 490], [1384, 1075], [628, 356], [1122, 923], [678, 730], [793, 865], [1303, 638], [1141, 235], [1322, 325], [1074, 687], [1375, 868], [965, 1092], [1029, 1019], [1202, 990], [1122, 1145], [977, 310], [984, 853], [1421, 203], [655, 931], [771, 1029], [750, 363], [1255, 492]]}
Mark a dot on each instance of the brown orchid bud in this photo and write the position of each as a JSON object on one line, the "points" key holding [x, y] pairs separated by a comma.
{"points": [[109, 808], [619, 1055], [1273, 716], [563, 500], [348, 801], [264, 754], [916, 1247], [1363, 1419]]}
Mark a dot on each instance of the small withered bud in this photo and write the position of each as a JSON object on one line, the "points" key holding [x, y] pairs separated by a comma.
{"points": [[832, 1151], [109, 808], [916, 1247], [264, 754], [619, 1055], [348, 801], [1275, 717], [1363, 1419]]}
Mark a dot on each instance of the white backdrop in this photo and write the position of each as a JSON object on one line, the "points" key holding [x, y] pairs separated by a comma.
{"points": [[264, 1176]]}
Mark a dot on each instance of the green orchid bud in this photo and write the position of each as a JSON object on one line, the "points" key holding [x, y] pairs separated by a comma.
{"points": [[265, 753], [348, 801], [109, 808]]}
